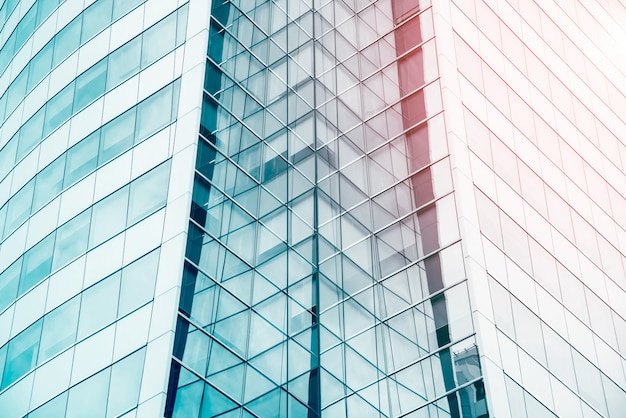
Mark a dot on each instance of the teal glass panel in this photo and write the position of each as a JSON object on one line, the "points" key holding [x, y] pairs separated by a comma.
{"points": [[90, 85], [9, 283], [126, 377], [67, 40], [59, 329], [138, 281], [71, 239], [49, 183], [108, 217], [89, 398], [19, 207], [58, 109], [53, 408], [99, 305], [124, 62], [37, 263], [21, 354], [82, 158], [96, 18], [148, 193], [117, 136]]}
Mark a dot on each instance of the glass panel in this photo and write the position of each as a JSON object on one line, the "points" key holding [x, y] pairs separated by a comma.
{"points": [[148, 193], [158, 40], [40, 65], [49, 183], [138, 280], [81, 159], [90, 85], [19, 207], [95, 18], [121, 7], [58, 109], [53, 408], [89, 398], [30, 133], [71, 239], [124, 62], [117, 136], [9, 282], [151, 113], [109, 217], [21, 354], [99, 305], [125, 383], [37, 263], [59, 329], [67, 40]]}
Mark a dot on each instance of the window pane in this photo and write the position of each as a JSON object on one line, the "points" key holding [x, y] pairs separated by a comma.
{"points": [[138, 281], [125, 383], [82, 158], [117, 136], [124, 62], [158, 40], [95, 18], [30, 133], [89, 398], [121, 7], [49, 183], [67, 40], [9, 282], [40, 65], [21, 354], [109, 217], [99, 305], [154, 112], [53, 408], [37, 264], [148, 193], [59, 109], [90, 85], [59, 329], [71, 239], [19, 207], [16, 92]]}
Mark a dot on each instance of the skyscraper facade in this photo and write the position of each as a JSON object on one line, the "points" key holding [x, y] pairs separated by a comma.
{"points": [[312, 208]]}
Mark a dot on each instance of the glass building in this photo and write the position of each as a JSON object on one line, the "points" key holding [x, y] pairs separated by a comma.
{"points": [[312, 208]]}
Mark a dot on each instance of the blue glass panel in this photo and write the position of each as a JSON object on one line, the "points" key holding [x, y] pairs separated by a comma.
{"points": [[9, 282], [117, 136]]}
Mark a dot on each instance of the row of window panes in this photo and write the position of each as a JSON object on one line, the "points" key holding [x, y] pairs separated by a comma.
{"points": [[106, 143], [107, 394], [126, 61], [101, 304], [92, 227], [38, 12], [93, 20]]}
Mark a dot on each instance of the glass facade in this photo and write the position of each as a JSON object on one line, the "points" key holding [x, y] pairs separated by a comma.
{"points": [[312, 208]]}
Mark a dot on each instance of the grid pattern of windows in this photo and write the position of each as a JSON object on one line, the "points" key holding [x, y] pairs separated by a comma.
{"points": [[540, 104], [323, 274], [85, 178]]}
